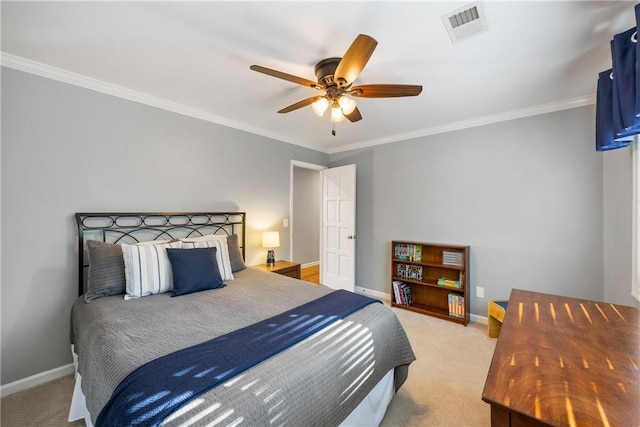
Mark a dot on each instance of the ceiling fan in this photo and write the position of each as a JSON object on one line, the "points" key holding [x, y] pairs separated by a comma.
{"points": [[336, 76]]}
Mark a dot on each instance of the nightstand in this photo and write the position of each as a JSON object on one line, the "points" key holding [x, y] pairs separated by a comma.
{"points": [[286, 268]]}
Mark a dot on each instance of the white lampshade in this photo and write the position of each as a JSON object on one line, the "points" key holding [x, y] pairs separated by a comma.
{"points": [[347, 105], [270, 239], [320, 106], [336, 114]]}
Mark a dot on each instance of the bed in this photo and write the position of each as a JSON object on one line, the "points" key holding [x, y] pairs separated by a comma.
{"points": [[341, 373]]}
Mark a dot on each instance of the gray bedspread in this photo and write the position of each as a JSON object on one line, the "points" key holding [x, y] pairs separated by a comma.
{"points": [[315, 383]]}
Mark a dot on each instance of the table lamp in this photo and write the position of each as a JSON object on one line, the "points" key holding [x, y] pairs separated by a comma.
{"points": [[271, 239]]}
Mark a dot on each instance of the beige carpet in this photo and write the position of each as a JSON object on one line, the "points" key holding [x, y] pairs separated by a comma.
{"points": [[45, 405], [444, 387], [445, 382]]}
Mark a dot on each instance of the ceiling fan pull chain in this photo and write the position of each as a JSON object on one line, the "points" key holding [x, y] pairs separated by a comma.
{"points": [[333, 129]]}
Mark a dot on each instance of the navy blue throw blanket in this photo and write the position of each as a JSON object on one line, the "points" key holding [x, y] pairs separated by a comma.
{"points": [[158, 388]]}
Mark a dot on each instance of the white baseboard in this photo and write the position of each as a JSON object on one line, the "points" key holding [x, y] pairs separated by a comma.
{"points": [[478, 319], [372, 293], [310, 264], [37, 379]]}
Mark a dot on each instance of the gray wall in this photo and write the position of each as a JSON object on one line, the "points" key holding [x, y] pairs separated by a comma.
{"points": [[526, 195], [618, 226], [66, 149], [307, 200]]}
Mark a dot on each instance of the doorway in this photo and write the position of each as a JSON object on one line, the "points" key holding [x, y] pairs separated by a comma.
{"points": [[306, 209], [322, 210]]}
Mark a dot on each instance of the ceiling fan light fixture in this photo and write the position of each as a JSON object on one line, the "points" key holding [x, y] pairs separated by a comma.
{"points": [[347, 105], [336, 113], [335, 77], [320, 106]]}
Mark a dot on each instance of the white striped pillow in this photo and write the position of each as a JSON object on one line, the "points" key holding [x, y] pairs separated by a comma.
{"points": [[147, 269], [222, 252]]}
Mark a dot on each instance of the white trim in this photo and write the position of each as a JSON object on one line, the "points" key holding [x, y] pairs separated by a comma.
{"points": [[310, 264], [35, 380], [480, 121], [59, 74], [377, 294], [65, 76], [306, 165], [478, 319]]}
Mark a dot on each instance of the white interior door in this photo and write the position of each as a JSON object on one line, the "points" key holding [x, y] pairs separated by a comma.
{"points": [[338, 227]]}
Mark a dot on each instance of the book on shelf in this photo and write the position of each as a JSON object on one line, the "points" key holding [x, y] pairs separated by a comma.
{"points": [[402, 293], [401, 270], [409, 271], [452, 258], [408, 252], [456, 305], [408, 297], [443, 281], [396, 291], [417, 253]]}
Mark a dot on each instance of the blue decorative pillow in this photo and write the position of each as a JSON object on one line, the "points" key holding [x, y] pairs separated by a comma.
{"points": [[194, 270]]}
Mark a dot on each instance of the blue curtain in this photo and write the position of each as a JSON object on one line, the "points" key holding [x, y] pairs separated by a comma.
{"points": [[605, 139], [618, 98], [637, 8], [623, 58]]}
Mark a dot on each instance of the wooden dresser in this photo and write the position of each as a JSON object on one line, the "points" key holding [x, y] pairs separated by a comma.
{"points": [[565, 362]]}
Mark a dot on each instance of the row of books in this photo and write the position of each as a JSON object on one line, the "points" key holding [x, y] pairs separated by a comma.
{"points": [[408, 252], [402, 293], [443, 281], [456, 305], [452, 258], [409, 271]]}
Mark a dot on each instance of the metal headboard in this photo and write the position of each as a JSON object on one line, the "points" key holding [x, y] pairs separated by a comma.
{"points": [[145, 226]]}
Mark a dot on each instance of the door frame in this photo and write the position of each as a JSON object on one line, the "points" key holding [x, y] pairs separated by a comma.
{"points": [[303, 165]]}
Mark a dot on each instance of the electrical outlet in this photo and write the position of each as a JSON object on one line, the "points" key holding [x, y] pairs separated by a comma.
{"points": [[479, 292], [285, 222]]}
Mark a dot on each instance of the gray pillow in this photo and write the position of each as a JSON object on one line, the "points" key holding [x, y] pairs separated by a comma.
{"points": [[235, 255], [106, 270]]}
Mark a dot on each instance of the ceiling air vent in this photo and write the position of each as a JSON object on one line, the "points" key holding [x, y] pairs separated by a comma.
{"points": [[465, 22]]}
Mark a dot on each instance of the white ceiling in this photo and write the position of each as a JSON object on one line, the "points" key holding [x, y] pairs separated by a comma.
{"points": [[194, 58]]}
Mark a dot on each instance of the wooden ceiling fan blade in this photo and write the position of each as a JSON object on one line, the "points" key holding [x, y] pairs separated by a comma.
{"points": [[354, 60], [299, 104], [385, 91], [354, 116], [284, 76]]}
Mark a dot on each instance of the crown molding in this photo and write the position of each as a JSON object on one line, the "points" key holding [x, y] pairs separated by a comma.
{"points": [[65, 76], [480, 121]]}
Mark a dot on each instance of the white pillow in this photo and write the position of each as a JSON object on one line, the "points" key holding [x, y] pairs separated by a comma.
{"points": [[222, 253], [147, 269]]}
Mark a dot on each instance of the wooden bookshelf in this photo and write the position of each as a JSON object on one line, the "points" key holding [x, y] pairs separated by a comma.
{"points": [[436, 277]]}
